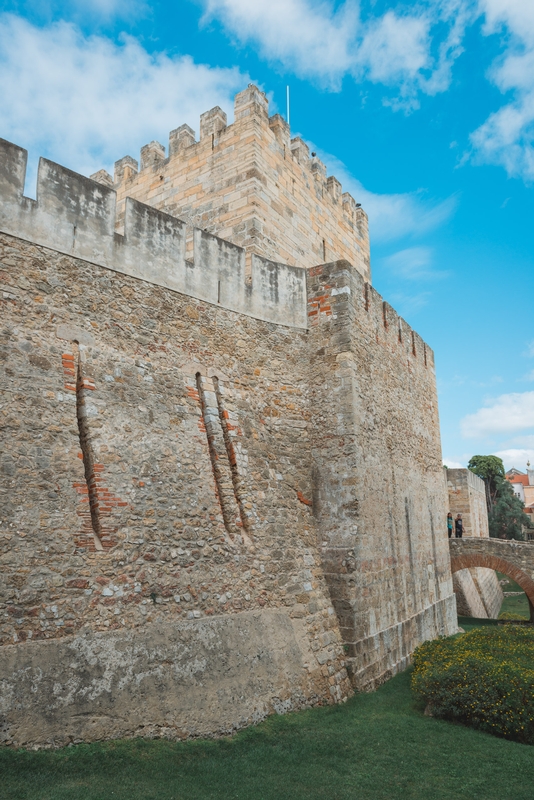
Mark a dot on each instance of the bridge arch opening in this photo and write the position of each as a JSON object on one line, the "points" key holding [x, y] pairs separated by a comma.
{"points": [[499, 564]]}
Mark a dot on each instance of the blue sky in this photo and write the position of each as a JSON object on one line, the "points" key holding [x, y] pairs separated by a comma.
{"points": [[424, 111]]}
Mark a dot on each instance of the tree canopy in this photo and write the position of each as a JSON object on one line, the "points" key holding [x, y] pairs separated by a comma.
{"points": [[507, 518], [491, 470]]}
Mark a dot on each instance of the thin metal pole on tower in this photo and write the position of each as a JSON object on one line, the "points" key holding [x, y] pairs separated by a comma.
{"points": [[287, 103]]}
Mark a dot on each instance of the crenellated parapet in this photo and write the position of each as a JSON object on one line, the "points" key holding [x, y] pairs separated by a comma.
{"points": [[76, 216], [246, 176]]}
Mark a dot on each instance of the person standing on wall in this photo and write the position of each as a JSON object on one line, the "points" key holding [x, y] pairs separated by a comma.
{"points": [[458, 526], [449, 524]]}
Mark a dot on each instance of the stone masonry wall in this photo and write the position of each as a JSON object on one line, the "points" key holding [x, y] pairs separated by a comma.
{"points": [[468, 600], [378, 487], [489, 589], [479, 595], [467, 496], [205, 504], [250, 184], [196, 425]]}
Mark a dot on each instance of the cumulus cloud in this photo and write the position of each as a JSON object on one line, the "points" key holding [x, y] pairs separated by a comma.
{"points": [[506, 138], [323, 41], [311, 38], [86, 101], [411, 50], [506, 414], [516, 457]]}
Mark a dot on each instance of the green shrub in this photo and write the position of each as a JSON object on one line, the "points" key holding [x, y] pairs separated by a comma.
{"points": [[511, 615], [484, 679]]}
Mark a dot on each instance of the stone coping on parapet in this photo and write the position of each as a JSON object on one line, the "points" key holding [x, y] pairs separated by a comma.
{"points": [[474, 481], [75, 215]]}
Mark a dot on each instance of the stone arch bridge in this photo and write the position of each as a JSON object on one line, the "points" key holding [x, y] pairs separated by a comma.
{"points": [[514, 559]]}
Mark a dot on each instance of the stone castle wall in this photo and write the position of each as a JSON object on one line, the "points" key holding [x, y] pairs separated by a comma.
{"points": [[248, 182], [479, 593], [209, 512], [188, 549], [379, 494], [467, 496]]}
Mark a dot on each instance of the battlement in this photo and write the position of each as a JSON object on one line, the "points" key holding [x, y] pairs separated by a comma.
{"points": [[250, 183], [76, 216]]}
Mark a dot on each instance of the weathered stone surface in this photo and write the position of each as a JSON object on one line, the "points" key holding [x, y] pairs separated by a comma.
{"points": [[379, 494], [478, 594], [205, 480], [468, 600], [489, 589], [467, 496], [179, 679]]}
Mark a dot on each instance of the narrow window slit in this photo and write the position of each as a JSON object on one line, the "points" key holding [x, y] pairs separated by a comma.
{"points": [[400, 331], [385, 314], [324, 250], [413, 344], [424, 354], [87, 455], [218, 291], [367, 297]]}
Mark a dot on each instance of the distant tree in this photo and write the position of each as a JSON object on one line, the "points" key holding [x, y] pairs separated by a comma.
{"points": [[491, 470], [507, 518]]}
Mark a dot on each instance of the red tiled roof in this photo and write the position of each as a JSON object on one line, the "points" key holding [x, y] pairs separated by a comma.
{"points": [[519, 479]]}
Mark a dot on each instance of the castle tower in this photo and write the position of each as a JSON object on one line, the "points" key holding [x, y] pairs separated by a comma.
{"points": [[251, 184]]}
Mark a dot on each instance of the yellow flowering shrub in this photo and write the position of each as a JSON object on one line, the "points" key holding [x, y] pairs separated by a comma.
{"points": [[484, 679]]}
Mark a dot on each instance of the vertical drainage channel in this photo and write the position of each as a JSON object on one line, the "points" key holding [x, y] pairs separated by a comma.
{"points": [[87, 453], [231, 454], [220, 462]]}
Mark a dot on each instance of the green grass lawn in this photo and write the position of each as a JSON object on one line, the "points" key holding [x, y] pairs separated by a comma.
{"points": [[377, 746], [518, 606], [514, 605]]}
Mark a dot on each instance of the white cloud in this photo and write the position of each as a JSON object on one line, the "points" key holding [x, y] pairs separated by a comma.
{"points": [[517, 15], [317, 39], [311, 38], [414, 264], [506, 138], [516, 457], [452, 464], [411, 49], [85, 101], [507, 414], [523, 441]]}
